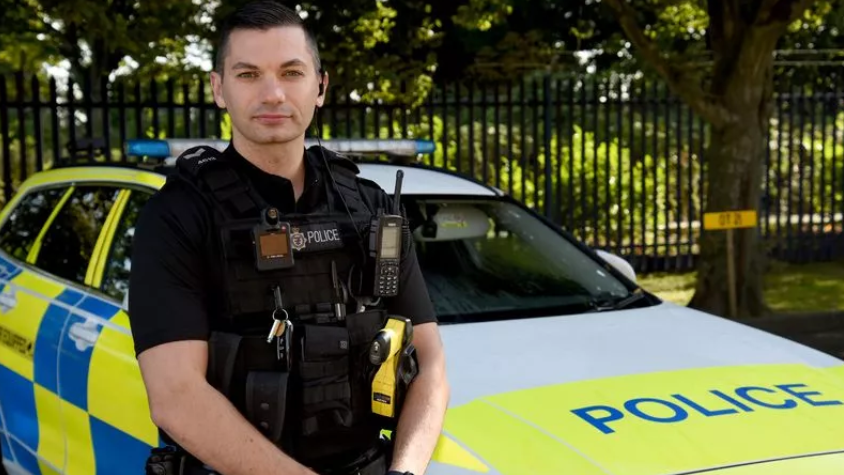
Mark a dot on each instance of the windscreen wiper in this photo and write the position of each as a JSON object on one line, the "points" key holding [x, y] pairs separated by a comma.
{"points": [[628, 301], [606, 301]]}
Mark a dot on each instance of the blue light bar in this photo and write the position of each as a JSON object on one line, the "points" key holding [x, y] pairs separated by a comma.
{"points": [[404, 147], [148, 148], [425, 146], [171, 148]]}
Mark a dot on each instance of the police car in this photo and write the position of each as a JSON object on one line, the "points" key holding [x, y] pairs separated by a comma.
{"points": [[559, 364]]}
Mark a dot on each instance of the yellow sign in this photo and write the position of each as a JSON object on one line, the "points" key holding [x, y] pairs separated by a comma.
{"points": [[730, 220]]}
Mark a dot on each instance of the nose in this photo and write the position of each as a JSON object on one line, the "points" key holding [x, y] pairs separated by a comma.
{"points": [[273, 91]]}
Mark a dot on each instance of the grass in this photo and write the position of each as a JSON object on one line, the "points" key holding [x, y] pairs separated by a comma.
{"points": [[788, 287]]}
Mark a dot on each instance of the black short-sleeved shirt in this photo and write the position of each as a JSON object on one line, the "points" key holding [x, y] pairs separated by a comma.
{"points": [[174, 264]]}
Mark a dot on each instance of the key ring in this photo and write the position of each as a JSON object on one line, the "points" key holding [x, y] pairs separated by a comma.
{"points": [[286, 315]]}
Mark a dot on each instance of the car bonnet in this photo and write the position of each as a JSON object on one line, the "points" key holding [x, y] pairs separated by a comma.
{"points": [[655, 391]]}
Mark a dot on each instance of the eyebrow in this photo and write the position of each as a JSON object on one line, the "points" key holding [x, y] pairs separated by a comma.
{"points": [[293, 62], [242, 65], [287, 64]]}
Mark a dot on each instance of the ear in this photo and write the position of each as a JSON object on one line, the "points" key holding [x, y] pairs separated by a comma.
{"points": [[217, 88], [323, 88]]}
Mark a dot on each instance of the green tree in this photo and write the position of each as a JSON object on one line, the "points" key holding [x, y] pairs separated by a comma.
{"points": [[20, 48], [96, 36], [733, 93], [716, 55], [367, 47], [507, 38]]}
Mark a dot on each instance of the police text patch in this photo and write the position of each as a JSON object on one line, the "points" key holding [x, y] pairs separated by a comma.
{"points": [[315, 237]]}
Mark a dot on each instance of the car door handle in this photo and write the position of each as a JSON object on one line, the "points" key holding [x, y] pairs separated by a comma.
{"points": [[84, 334]]}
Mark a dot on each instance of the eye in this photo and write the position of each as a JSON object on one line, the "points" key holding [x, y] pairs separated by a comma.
{"points": [[248, 75], [294, 73]]}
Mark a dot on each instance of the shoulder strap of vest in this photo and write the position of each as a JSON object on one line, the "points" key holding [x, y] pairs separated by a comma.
{"points": [[206, 168], [345, 173]]}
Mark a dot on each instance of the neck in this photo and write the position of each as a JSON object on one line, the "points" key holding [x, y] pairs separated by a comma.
{"points": [[281, 159]]}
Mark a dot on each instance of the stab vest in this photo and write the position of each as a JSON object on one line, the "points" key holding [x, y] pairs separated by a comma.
{"points": [[318, 409]]}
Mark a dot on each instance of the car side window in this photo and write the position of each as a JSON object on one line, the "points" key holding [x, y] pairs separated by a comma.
{"points": [[69, 242], [20, 230], [119, 262]]}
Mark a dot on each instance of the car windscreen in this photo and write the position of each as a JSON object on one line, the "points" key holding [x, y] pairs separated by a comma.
{"points": [[488, 259]]}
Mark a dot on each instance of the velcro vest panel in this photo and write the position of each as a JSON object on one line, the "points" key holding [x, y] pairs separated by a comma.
{"points": [[307, 287], [329, 234], [327, 402]]}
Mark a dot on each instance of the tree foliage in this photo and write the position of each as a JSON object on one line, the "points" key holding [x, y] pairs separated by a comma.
{"points": [[94, 36], [372, 47], [732, 90]]}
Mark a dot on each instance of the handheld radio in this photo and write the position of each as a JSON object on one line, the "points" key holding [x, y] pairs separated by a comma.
{"points": [[385, 246]]}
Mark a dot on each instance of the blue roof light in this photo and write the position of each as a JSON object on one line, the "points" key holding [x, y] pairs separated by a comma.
{"points": [[425, 146], [170, 148], [148, 148]]}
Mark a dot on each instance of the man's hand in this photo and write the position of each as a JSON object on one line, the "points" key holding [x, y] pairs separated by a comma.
{"points": [[202, 420], [421, 419]]}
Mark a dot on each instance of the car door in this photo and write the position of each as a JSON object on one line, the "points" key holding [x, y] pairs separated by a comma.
{"points": [[122, 431], [66, 253], [33, 310]]}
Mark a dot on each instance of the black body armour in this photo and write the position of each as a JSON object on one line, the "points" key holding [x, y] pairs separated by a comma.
{"points": [[316, 404]]}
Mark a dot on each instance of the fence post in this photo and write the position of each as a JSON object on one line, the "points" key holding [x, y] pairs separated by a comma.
{"points": [[36, 114], [546, 95], [4, 133], [55, 136], [20, 98], [105, 112]]}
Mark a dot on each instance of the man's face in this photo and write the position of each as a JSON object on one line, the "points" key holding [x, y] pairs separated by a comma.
{"points": [[270, 85]]}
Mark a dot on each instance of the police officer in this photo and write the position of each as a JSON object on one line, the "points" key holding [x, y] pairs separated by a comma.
{"points": [[254, 299]]}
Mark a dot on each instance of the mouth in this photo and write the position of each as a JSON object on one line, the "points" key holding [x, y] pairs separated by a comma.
{"points": [[272, 118]]}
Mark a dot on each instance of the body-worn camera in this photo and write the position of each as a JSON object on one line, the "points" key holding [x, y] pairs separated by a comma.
{"points": [[271, 239]]}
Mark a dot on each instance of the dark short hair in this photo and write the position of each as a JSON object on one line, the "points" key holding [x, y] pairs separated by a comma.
{"points": [[262, 15]]}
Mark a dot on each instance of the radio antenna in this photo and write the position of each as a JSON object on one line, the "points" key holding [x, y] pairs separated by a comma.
{"points": [[397, 194]]}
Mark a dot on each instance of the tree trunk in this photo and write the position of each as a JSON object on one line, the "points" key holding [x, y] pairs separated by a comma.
{"points": [[734, 172], [735, 160]]}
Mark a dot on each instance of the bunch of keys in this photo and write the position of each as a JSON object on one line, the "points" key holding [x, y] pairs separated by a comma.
{"points": [[281, 330]]}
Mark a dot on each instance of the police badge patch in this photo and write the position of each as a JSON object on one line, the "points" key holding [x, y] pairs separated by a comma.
{"points": [[297, 239], [315, 237]]}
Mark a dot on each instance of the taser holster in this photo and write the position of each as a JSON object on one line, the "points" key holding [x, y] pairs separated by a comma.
{"points": [[393, 354]]}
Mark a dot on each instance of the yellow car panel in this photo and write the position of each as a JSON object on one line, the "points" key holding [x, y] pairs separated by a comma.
{"points": [[449, 452], [695, 419], [100, 253], [51, 448], [110, 175], [29, 369], [59, 424], [511, 446], [113, 364], [80, 447], [19, 325]]}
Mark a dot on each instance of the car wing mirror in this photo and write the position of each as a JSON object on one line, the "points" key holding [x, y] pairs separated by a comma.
{"points": [[619, 263]]}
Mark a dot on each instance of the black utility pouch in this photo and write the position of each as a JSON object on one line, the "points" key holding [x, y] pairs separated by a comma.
{"points": [[166, 461], [324, 373]]}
